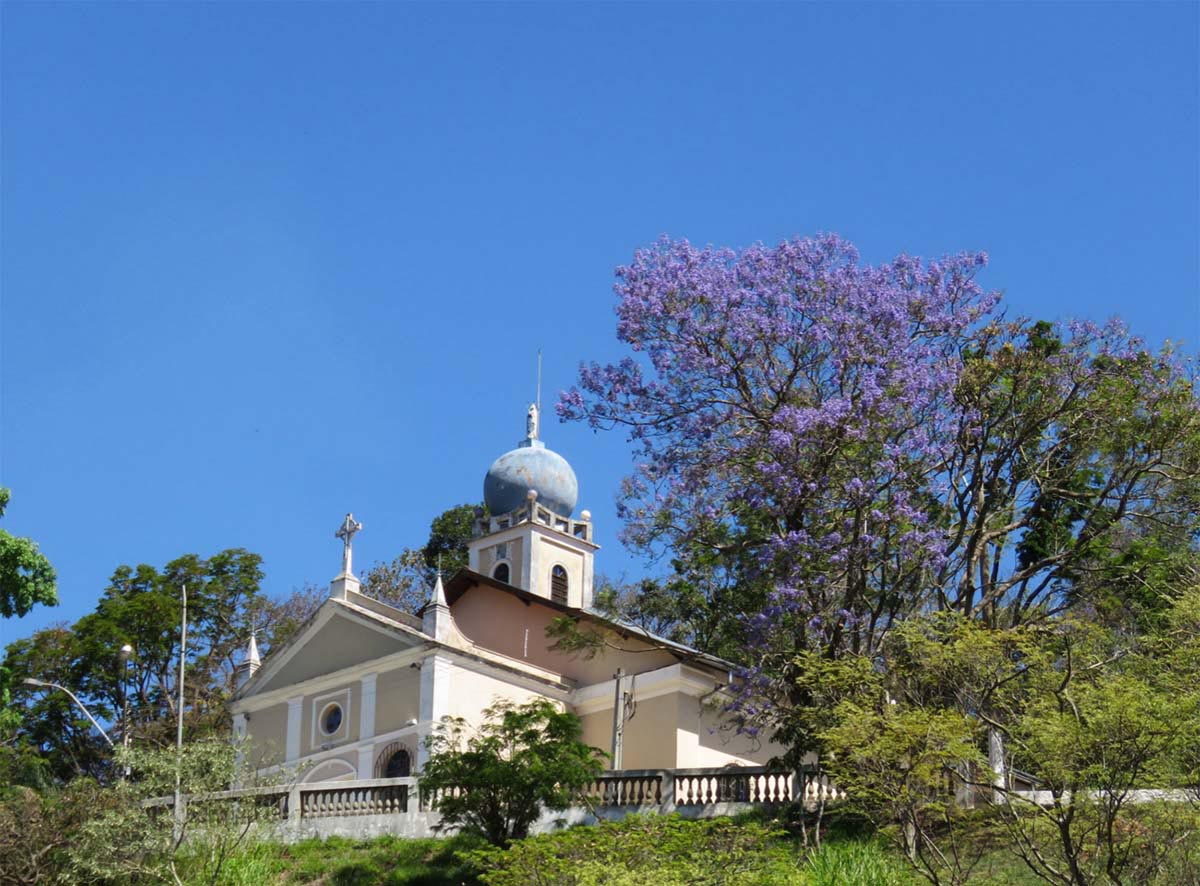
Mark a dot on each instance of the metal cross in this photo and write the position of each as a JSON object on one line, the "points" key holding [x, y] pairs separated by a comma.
{"points": [[346, 534]]}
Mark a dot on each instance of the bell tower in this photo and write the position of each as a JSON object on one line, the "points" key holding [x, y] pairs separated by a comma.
{"points": [[531, 540]]}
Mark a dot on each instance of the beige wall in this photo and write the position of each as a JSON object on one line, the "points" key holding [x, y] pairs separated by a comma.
{"points": [[706, 740], [550, 553], [397, 698], [266, 734], [471, 692], [650, 737], [676, 731], [499, 621], [487, 561]]}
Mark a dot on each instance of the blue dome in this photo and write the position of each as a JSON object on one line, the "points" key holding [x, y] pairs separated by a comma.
{"points": [[530, 466]]}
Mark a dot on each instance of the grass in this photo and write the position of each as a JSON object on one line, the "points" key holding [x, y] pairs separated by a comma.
{"points": [[383, 861], [752, 851]]}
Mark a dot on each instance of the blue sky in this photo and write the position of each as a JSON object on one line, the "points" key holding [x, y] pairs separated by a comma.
{"points": [[261, 264]]}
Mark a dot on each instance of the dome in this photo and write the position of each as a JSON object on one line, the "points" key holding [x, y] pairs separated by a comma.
{"points": [[531, 466]]}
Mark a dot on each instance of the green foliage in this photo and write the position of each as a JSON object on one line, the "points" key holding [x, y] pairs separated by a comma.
{"points": [[338, 861], [664, 850], [139, 839], [405, 581], [860, 862], [37, 830], [26, 576], [1091, 713], [496, 780], [140, 607]]}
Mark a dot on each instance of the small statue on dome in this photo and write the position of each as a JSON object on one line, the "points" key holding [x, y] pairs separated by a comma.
{"points": [[531, 422]]}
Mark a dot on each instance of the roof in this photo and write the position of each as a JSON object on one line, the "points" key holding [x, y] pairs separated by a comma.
{"points": [[465, 579]]}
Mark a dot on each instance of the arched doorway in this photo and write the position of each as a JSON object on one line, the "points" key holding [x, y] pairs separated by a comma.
{"points": [[394, 761]]}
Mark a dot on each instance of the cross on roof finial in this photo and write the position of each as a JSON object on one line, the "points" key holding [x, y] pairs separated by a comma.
{"points": [[346, 534]]}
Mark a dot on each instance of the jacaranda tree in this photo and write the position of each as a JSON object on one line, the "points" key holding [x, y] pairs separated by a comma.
{"points": [[867, 442]]}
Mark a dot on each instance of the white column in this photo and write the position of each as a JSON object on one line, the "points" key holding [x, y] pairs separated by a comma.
{"points": [[366, 761], [366, 722], [366, 727], [239, 744], [295, 709], [531, 579], [435, 699]]}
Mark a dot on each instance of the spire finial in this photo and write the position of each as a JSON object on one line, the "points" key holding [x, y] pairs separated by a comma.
{"points": [[438, 597], [538, 401], [252, 649], [346, 533]]}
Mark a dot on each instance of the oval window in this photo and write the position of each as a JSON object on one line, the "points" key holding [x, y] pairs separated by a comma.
{"points": [[331, 719]]}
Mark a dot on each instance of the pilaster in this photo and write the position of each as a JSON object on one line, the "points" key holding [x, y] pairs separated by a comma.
{"points": [[294, 724], [436, 671]]}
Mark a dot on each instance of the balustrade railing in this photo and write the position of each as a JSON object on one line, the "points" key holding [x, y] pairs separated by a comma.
{"points": [[662, 789]]}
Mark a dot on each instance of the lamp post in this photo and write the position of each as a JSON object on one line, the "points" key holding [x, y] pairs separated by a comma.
{"points": [[126, 654], [30, 681]]}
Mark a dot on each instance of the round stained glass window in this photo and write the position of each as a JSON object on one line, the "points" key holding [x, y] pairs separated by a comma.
{"points": [[331, 719]]}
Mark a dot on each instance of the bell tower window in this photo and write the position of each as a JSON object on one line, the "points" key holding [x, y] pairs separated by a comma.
{"points": [[558, 585], [500, 573]]}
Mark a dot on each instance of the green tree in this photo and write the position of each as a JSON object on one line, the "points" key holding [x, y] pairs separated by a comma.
{"points": [[26, 576], [141, 607], [1090, 714], [405, 581], [138, 839], [496, 780]]}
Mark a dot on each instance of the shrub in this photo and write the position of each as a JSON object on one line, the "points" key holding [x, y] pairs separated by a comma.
{"points": [[496, 780], [664, 850]]}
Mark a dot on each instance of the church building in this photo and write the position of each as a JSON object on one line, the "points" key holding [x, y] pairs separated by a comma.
{"points": [[358, 688]]}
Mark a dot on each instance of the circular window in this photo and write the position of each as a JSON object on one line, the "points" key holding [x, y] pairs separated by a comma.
{"points": [[331, 718]]}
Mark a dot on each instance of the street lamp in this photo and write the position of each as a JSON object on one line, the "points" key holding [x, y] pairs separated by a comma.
{"points": [[30, 681], [126, 654]]}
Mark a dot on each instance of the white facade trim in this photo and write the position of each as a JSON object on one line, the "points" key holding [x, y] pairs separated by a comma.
{"points": [[278, 659], [651, 684], [295, 709], [328, 681], [436, 671], [319, 737], [374, 744], [366, 723]]}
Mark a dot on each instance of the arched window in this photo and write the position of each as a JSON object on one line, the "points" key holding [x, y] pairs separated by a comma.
{"points": [[500, 573], [558, 585], [398, 765], [394, 761]]}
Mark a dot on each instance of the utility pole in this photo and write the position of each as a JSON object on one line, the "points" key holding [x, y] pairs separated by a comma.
{"points": [[618, 740], [179, 730]]}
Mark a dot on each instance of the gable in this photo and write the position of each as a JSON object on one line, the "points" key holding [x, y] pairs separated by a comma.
{"points": [[338, 639]]}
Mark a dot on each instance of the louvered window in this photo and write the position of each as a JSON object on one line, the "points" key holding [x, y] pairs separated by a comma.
{"points": [[558, 585]]}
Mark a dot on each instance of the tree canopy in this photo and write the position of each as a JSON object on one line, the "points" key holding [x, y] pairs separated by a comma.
{"points": [[405, 581], [829, 447], [141, 607], [26, 576]]}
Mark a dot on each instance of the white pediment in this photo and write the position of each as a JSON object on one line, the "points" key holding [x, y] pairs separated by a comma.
{"points": [[339, 637]]}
